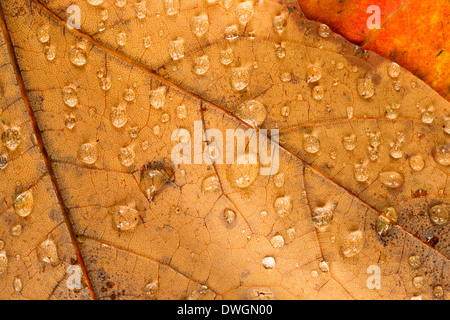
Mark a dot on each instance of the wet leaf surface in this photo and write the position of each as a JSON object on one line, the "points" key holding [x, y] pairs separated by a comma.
{"points": [[363, 161]]}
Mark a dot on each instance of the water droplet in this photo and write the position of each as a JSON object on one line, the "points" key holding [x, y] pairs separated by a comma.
{"points": [[438, 291], [365, 88], [17, 284], [280, 51], [16, 230], [268, 262], [129, 95], [50, 52], [43, 34], [153, 177], [393, 70], [414, 261], [314, 274], [353, 243], [47, 252], [201, 65], [226, 56], [439, 214], [392, 111], [361, 173], [147, 41], [283, 205], [252, 112], [151, 288], [121, 38], [11, 138], [140, 9], [280, 22], [171, 7], [427, 117], [384, 221], [88, 152], [447, 126], [314, 74], [229, 215], [278, 180], [391, 179], [244, 12], [324, 31], [158, 97], [200, 24], [277, 241], [211, 184], [70, 121], [3, 160], [349, 142], [127, 156], [286, 77], [95, 2], [244, 171], [441, 154], [396, 152], [124, 217], [70, 95], [3, 262], [240, 78], [323, 266], [176, 49], [77, 56], [417, 282], [311, 144], [416, 162], [119, 115], [101, 26], [318, 92], [322, 216], [231, 32]]}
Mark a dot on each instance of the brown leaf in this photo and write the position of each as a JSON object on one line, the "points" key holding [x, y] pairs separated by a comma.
{"points": [[363, 169]]}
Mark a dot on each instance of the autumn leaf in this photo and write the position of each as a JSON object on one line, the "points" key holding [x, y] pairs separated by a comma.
{"points": [[411, 33], [95, 206]]}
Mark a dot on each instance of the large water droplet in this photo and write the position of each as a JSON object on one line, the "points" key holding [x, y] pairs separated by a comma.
{"points": [[283, 205], [414, 261], [23, 203], [119, 115], [311, 144], [153, 177], [88, 152], [384, 221], [318, 93], [226, 56], [77, 56], [365, 87], [244, 12], [277, 241], [393, 70], [268, 262], [279, 22], [231, 32], [158, 97], [176, 49], [200, 24], [441, 154], [201, 65], [211, 184], [47, 252], [127, 156], [244, 171], [240, 78], [171, 7], [11, 138], [314, 74], [353, 243], [43, 34], [391, 179], [322, 216], [252, 112], [439, 214], [140, 9], [70, 95], [416, 162], [323, 31], [124, 217]]}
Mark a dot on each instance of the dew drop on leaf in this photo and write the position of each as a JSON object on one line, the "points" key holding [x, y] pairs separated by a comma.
{"points": [[361, 173], [416, 162], [280, 22], [231, 32], [23, 203], [200, 24], [393, 70], [229, 215], [384, 221], [252, 112], [438, 291], [127, 156], [201, 65], [11, 138], [268, 262], [282, 205], [70, 95], [153, 177], [47, 252], [349, 142], [3, 261], [365, 88], [121, 38], [140, 9], [439, 214], [119, 115], [244, 12], [171, 7], [311, 144], [324, 31], [353, 243], [124, 217], [391, 179], [226, 56], [176, 49], [314, 74], [50, 52], [88, 152], [43, 34], [70, 121], [95, 2], [318, 92], [240, 78], [441, 154], [244, 171], [211, 184], [322, 216], [277, 241], [17, 284], [77, 56], [158, 97], [414, 261]]}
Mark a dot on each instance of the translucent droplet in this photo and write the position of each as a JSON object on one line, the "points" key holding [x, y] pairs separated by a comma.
{"points": [[17, 284], [121, 38], [88, 152], [277, 241], [47, 252], [158, 97], [280, 22], [231, 32], [441, 154], [244, 171], [229, 215], [268, 262], [311, 144], [283, 205], [414, 261], [16, 230], [439, 214], [95, 2], [119, 115], [244, 12], [353, 243], [201, 65], [447, 126], [140, 8], [323, 266], [278, 180], [50, 52], [127, 156], [438, 291], [11, 138], [147, 41], [318, 92], [200, 24], [153, 177], [393, 70], [226, 56], [252, 112], [416, 162], [3, 262], [391, 179], [286, 77], [129, 95], [280, 51], [361, 173], [77, 56], [396, 152], [3, 160], [427, 117], [176, 49], [124, 217], [171, 7], [323, 31], [349, 142], [151, 288], [70, 95], [365, 87], [322, 216], [165, 117], [240, 78], [43, 34], [384, 221], [70, 122], [314, 74], [211, 184]]}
